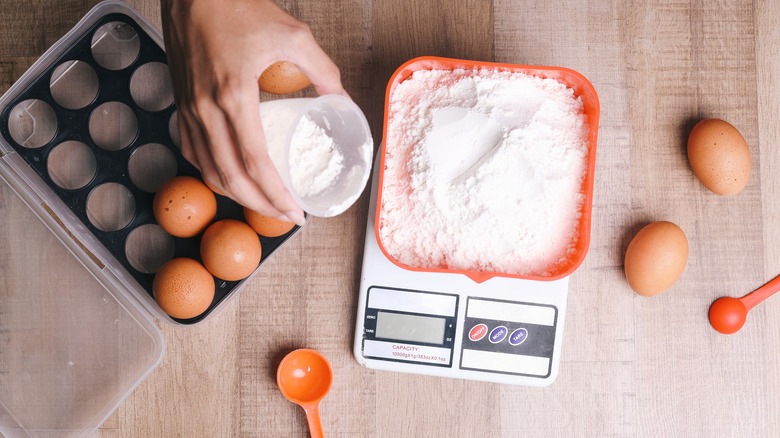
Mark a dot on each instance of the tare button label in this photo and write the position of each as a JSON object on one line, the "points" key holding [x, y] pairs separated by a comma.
{"points": [[518, 336], [478, 332]]}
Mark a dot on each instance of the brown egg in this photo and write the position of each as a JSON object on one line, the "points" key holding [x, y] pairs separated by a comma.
{"points": [[184, 206], [267, 226], [656, 258], [183, 288], [719, 156], [283, 78], [230, 249]]}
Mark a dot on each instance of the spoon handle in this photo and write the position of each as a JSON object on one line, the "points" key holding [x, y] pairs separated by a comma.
{"points": [[315, 425], [757, 296]]}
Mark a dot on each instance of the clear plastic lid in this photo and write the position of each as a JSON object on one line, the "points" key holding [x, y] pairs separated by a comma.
{"points": [[76, 337], [70, 350]]}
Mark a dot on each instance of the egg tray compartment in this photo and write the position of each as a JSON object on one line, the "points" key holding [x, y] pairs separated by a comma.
{"points": [[112, 165]]}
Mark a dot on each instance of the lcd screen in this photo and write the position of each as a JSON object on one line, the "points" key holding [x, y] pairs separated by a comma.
{"points": [[414, 328]]}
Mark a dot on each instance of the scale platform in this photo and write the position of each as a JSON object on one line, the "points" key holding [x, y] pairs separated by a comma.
{"points": [[504, 330]]}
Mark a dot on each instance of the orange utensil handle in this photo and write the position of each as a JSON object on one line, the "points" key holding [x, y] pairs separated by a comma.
{"points": [[315, 425], [754, 298]]}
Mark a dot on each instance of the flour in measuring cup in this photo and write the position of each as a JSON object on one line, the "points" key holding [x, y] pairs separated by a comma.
{"points": [[315, 159], [483, 171]]}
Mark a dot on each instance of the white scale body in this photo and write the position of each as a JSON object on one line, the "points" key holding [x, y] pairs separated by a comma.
{"points": [[504, 330]]}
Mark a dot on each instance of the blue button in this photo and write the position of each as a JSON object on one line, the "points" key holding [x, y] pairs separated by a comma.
{"points": [[518, 336], [498, 334]]}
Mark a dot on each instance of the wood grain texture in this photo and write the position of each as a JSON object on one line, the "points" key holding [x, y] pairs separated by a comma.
{"points": [[631, 366], [767, 26]]}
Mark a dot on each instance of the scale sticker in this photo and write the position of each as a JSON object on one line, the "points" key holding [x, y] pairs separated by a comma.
{"points": [[508, 337], [407, 352], [410, 326]]}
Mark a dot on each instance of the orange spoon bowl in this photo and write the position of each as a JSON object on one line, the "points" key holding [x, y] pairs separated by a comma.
{"points": [[727, 315], [304, 377]]}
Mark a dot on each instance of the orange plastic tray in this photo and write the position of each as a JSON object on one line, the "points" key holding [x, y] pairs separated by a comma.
{"points": [[582, 88]]}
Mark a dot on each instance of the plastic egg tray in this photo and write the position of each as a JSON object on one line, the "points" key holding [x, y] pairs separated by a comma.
{"points": [[88, 134]]}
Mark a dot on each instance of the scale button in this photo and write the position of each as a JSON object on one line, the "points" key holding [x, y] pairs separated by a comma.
{"points": [[518, 336], [478, 332], [498, 334]]}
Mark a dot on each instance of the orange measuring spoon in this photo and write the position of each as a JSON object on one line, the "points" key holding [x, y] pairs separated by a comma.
{"points": [[304, 377], [728, 315]]}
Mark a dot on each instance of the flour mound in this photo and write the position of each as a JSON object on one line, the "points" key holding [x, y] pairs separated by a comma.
{"points": [[483, 171]]}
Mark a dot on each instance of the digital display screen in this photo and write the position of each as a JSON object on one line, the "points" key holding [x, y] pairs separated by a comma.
{"points": [[415, 328]]}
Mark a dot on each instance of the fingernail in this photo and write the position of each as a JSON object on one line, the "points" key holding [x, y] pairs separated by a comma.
{"points": [[296, 217]]}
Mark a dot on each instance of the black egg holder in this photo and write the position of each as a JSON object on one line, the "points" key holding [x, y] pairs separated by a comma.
{"points": [[112, 166]]}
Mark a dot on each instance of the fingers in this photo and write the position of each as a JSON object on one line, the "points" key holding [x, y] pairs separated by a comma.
{"points": [[248, 132], [228, 169], [296, 44], [195, 149], [222, 136], [323, 74], [219, 122], [187, 145], [239, 165], [316, 64]]}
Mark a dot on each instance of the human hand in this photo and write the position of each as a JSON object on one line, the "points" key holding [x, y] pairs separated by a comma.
{"points": [[216, 51]]}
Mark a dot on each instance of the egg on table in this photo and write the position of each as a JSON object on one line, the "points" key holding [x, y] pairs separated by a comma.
{"points": [[283, 78], [230, 249], [184, 206], [655, 258], [719, 156], [183, 288]]}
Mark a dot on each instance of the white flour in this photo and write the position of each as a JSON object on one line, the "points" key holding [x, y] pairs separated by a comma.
{"points": [[483, 171], [315, 160]]}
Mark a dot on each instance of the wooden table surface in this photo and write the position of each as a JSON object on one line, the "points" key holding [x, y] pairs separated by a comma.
{"points": [[630, 366]]}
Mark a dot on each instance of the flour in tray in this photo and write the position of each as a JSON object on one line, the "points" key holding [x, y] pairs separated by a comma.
{"points": [[483, 171]]}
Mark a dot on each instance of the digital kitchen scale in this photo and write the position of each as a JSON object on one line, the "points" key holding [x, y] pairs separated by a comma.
{"points": [[466, 324], [504, 330]]}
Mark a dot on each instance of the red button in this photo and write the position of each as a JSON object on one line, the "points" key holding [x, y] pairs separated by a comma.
{"points": [[478, 332]]}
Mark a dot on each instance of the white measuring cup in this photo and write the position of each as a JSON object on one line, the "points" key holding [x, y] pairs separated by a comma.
{"points": [[343, 121]]}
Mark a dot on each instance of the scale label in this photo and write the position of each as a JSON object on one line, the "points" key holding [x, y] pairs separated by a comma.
{"points": [[407, 352], [501, 336]]}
